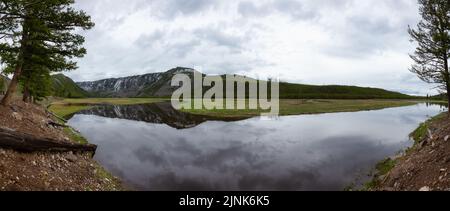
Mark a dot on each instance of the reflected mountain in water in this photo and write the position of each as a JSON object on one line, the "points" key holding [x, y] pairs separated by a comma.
{"points": [[290, 153], [159, 113]]}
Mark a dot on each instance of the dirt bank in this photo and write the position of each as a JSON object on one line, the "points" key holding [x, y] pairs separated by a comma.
{"points": [[46, 170], [426, 166]]}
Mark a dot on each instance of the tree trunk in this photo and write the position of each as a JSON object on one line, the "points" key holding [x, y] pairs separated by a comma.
{"points": [[447, 82], [19, 65], [26, 94], [12, 86]]}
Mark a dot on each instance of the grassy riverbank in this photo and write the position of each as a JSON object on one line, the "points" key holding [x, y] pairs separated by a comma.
{"points": [[298, 107], [65, 107]]}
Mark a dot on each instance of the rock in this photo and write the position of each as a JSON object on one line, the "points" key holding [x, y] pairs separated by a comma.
{"points": [[446, 138], [423, 144], [14, 108], [17, 116], [388, 189], [425, 189], [396, 185], [447, 160], [72, 158], [430, 135]]}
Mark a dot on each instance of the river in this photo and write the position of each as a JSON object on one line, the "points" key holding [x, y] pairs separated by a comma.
{"points": [[153, 147]]}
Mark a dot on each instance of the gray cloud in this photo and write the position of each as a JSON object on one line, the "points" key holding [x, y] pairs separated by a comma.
{"points": [[216, 37], [286, 7], [172, 8], [313, 41]]}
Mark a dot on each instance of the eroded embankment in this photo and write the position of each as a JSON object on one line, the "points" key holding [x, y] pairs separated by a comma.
{"points": [[42, 169], [425, 166]]}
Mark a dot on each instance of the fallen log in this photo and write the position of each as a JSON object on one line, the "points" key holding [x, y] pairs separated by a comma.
{"points": [[21, 142]]}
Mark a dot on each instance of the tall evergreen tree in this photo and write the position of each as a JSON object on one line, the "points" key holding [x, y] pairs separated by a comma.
{"points": [[433, 39], [38, 38]]}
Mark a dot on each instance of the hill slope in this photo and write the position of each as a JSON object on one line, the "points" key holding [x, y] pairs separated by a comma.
{"points": [[63, 86], [158, 85], [295, 91]]}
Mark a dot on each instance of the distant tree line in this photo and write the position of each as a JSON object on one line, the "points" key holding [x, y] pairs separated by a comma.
{"points": [[37, 38]]}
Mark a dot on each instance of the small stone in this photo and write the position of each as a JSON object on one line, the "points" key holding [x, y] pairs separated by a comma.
{"points": [[430, 135], [425, 189], [396, 184], [443, 170], [423, 144], [14, 108], [447, 160], [72, 158], [17, 116], [446, 138]]}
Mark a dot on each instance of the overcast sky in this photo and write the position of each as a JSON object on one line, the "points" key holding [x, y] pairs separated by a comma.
{"points": [[348, 42]]}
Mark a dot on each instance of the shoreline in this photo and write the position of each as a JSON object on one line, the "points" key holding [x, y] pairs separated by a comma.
{"points": [[41, 169], [76, 136], [423, 167]]}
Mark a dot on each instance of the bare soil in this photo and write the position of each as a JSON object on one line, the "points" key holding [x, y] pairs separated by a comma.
{"points": [[425, 167], [46, 171]]}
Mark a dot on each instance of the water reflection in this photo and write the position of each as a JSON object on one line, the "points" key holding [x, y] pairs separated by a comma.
{"points": [[313, 152], [160, 113]]}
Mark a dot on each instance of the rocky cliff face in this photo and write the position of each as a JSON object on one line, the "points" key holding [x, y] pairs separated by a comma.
{"points": [[152, 84]]}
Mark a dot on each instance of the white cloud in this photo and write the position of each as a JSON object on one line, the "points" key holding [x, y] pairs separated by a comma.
{"points": [[348, 42]]}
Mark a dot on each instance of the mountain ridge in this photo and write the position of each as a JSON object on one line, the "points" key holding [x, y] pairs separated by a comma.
{"points": [[146, 85], [159, 85]]}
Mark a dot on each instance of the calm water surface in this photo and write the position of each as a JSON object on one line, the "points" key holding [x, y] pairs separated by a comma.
{"points": [[153, 147]]}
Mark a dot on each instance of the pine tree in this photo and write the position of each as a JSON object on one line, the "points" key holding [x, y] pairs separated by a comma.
{"points": [[38, 38], [433, 39]]}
